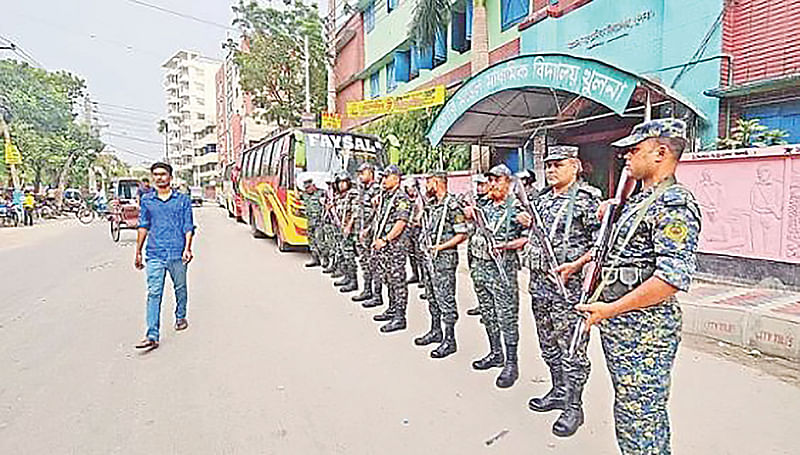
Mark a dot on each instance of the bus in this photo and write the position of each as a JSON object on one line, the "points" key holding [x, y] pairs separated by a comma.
{"points": [[271, 199]]}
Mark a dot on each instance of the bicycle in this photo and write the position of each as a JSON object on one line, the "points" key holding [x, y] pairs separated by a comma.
{"points": [[90, 210]]}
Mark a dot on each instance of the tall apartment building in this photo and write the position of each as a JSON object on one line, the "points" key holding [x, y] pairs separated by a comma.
{"points": [[191, 116], [237, 124]]}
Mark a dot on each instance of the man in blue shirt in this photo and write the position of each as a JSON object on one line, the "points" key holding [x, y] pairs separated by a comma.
{"points": [[165, 221]]}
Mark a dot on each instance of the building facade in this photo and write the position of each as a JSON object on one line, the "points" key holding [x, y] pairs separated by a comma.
{"points": [[189, 84], [238, 124]]}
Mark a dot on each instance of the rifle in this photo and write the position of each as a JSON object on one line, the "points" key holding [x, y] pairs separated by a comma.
{"points": [[330, 212], [479, 219], [537, 230], [427, 253], [599, 254]]}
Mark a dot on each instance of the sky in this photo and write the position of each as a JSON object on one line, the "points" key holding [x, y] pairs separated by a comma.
{"points": [[118, 47]]}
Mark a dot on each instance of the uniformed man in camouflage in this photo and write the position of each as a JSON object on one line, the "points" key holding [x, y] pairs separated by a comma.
{"points": [[368, 194], [496, 286], [443, 228], [312, 200], [652, 257], [346, 204], [481, 185], [413, 232], [568, 208], [390, 244]]}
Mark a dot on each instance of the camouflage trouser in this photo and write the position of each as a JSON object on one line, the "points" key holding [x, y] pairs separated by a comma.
{"points": [[326, 240], [313, 239], [498, 299], [348, 251], [391, 261], [555, 321], [441, 290], [640, 348]]}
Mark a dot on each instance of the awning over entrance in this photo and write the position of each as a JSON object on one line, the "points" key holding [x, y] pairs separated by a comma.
{"points": [[507, 103]]}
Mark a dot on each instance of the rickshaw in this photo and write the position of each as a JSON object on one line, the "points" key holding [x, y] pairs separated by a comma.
{"points": [[124, 209]]}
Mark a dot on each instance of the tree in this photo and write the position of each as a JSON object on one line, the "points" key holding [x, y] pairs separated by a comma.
{"points": [[431, 16], [42, 122], [272, 67], [416, 154], [751, 133]]}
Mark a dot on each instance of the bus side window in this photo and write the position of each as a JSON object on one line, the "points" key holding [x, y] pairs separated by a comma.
{"points": [[259, 159], [277, 155], [245, 165], [284, 168], [269, 155]]}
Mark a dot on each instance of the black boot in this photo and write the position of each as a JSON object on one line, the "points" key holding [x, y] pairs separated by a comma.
{"points": [[337, 273], [474, 311], [448, 346], [343, 282], [423, 296], [434, 335], [555, 398], [572, 418], [495, 356], [351, 286], [364, 296], [510, 372], [414, 270], [328, 265], [385, 316], [314, 262], [398, 322], [377, 295]]}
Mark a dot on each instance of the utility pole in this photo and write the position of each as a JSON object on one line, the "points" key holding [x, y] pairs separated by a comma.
{"points": [[331, 62], [5, 113]]}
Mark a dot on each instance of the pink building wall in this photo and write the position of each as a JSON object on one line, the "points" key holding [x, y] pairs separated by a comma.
{"points": [[750, 201]]}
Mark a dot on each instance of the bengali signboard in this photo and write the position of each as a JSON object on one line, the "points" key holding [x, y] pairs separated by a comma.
{"points": [[589, 78], [411, 101], [331, 121]]}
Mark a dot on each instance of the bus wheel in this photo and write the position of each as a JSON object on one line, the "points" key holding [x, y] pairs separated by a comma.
{"points": [[282, 245], [253, 229]]}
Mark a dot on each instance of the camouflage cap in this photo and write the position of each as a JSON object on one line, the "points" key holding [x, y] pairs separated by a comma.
{"points": [[665, 127], [561, 152], [392, 169], [342, 175], [366, 167], [480, 178], [501, 170]]}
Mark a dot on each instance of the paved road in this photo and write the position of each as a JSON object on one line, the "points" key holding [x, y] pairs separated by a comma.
{"points": [[276, 361]]}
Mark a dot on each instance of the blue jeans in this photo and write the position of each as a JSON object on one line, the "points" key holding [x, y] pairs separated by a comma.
{"points": [[156, 272]]}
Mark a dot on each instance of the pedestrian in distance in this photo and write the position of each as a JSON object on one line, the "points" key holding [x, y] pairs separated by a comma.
{"points": [[28, 205], [652, 256], [144, 188], [167, 225]]}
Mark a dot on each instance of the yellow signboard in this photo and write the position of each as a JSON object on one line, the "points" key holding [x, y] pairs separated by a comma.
{"points": [[12, 154], [331, 121], [411, 101]]}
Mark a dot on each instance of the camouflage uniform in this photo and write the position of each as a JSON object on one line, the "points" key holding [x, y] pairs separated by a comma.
{"points": [[445, 220], [570, 221], [365, 213], [656, 235], [498, 297], [391, 258], [345, 208], [314, 214], [327, 230]]}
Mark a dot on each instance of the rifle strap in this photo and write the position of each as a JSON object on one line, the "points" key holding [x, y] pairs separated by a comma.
{"points": [[440, 226], [639, 211]]}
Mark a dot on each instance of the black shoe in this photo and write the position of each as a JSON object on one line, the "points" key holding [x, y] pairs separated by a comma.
{"points": [[352, 286], [474, 311], [569, 421], [554, 399], [364, 296], [414, 279], [372, 303], [314, 262], [337, 274], [423, 296], [397, 323], [492, 360], [383, 317], [343, 282], [434, 335], [448, 346], [420, 284], [328, 269], [508, 376]]}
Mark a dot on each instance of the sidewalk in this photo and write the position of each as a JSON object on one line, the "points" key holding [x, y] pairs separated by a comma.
{"points": [[764, 319]]}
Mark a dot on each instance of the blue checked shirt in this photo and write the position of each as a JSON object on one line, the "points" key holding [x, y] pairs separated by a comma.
{"points": [[167, 223]]}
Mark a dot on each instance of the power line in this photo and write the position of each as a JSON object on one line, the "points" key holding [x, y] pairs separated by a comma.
{"points": [[130, 152], [125, 136], [17, 49], [180, 14], [126, 108]]}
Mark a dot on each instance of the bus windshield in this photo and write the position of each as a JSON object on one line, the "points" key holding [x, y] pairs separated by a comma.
{"points": [[329, 151]]}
